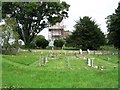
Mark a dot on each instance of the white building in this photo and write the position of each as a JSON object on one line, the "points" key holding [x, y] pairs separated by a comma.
{"points": [[55, 32]]}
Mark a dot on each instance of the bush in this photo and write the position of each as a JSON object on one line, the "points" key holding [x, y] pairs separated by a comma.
{"points": [[41, 42], [59, 43]]}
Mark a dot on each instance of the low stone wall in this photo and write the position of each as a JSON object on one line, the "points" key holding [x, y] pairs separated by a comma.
{"points": [[77, 51]]}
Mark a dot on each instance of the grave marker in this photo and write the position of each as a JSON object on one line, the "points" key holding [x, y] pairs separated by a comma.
{"points": [[68, 62], [76, 55], [88, 51], [92, 63], [88, 62], [80, 51], [46, 59]]}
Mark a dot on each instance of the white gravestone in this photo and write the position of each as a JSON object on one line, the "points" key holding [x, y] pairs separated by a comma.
{"points": [[80, 51], [46, 59], [88, 51], [91, 63], [88, 62]]}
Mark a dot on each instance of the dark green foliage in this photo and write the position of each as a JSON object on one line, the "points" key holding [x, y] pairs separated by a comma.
{"points": [[33, 17], [87, 35], [113, 24], [41, 42], [59, 43]]}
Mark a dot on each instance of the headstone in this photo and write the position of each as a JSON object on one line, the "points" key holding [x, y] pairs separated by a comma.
{"points": [[108, 59], [80, 51], [88, 51], [88, 62], [68, 62], [113, 53], [92, 63], [76, 55], [102, 67], [46, 59], [96, 67]]}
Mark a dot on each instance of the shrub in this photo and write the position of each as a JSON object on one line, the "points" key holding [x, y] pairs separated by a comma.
{"points": [[59, 43], [41, 42]]}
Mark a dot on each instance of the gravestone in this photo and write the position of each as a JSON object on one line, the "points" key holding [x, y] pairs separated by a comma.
{"points": [[88, 51], [92, 63], [46, 59], [80, 51], [88, 62], [108, 59], [68, 62], [43, 61], [76, 55]]}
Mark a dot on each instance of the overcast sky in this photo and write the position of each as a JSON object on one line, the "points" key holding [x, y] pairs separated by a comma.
{"points": [[97, 9]]}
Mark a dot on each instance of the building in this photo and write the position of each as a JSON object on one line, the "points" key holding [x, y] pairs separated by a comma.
{"points": [[55, 32], [66, 34]]}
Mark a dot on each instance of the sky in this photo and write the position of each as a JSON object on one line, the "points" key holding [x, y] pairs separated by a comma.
{"points": [[97, 9]]}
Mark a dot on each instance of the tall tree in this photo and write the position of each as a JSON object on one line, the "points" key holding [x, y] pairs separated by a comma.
{"points": [[113, 24], [8, 33], [32, 17], [87, 34]]}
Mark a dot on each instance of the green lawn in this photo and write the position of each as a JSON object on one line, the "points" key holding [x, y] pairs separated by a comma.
{"points": [[24, 70]]}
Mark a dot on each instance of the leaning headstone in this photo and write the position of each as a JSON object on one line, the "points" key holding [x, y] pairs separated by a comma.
{"points": [[44, 60]]}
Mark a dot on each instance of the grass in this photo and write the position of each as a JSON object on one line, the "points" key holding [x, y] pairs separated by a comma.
{"points": [[24, 71]]}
